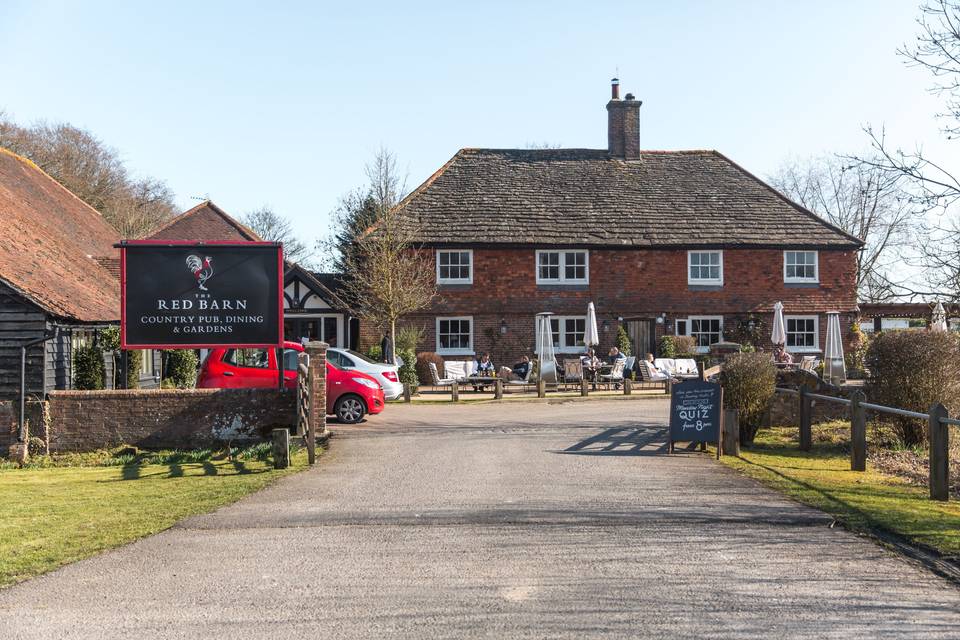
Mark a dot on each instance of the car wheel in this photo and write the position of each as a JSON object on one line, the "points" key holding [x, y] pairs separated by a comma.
{"points": [[350, 409]]}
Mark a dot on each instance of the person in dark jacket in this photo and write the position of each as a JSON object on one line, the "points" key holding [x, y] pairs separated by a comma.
{"points": [[519, 371], [386, 348]]}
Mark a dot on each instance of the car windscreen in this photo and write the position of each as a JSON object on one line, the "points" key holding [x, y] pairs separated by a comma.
{"points": [[360, 356]]}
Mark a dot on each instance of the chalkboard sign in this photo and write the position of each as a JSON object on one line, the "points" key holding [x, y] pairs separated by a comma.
{"points": [[696, 410], [190, 295]]}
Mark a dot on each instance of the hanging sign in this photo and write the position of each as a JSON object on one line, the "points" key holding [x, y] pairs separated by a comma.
{"points": [[191, 295], [696, 410]]}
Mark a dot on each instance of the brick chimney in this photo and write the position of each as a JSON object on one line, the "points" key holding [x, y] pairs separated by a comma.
{"points": [[623, 124]]}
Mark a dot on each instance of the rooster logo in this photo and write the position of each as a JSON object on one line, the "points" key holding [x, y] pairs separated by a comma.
{"points": [[202, 269]]}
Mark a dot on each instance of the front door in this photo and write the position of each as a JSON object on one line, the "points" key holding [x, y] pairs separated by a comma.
{"points": [[641, 333]]}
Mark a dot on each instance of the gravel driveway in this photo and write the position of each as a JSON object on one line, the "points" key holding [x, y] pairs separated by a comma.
{"points": [[513, 520]]}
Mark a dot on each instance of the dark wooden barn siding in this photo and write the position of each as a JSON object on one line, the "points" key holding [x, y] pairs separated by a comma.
{"points": [[20, 321]]}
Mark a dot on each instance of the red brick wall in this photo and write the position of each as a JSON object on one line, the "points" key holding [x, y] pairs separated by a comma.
{"points": [[175, 418], [630, 283]]}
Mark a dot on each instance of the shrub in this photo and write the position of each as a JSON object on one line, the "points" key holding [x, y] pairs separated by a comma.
{"points": [[88, 368], [912, 370], [855, 358], [375, 353], [409, 338], [685, 346], [181, 367], [423, 366], [749, 381], [623, 341], [134, 362], [408, 372], [668, 348], [36, 447]]}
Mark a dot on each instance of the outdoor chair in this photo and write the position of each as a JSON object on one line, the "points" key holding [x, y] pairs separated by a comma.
{"points": [[628, 365], [437, 380], [649, 374], [808, 363], [525, 382], [616, 373], [572, 371], [456, 370]]}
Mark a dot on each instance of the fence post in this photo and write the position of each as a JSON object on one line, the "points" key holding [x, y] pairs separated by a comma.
{"points": [[541, 389], [806, 410], [281, 448], [406, 392], [939, 454], [498, 389], [668, 387], [455, 392], [731, 433], [858, 432], [584, 390], [627, 386]]}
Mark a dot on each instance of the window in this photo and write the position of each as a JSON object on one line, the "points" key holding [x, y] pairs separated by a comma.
{"points": [[567, 333], [706, 330], [705, 267], [455, 267], [681, 327], [455, 336], [800, 266], [252, 358], [802, 333], [563, 267]]}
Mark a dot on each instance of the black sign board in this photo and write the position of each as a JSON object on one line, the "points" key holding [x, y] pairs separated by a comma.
{"points": [[190, 295], [696, 410]]}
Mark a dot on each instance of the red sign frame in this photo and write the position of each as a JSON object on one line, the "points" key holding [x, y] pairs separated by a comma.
{"points": [[190, 243]]}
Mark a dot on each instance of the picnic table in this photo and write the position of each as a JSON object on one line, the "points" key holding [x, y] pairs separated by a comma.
{"points": [[481, 381]]}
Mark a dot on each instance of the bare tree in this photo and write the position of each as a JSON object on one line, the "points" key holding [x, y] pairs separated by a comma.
{"points": [[273, 227], [866, 202], [931, 186], [386, 275], [94, 172]]}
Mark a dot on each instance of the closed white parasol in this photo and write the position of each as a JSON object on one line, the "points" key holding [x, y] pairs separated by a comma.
{"points": [[939, 320], [779, 335], [834, 370], [591, 337]]}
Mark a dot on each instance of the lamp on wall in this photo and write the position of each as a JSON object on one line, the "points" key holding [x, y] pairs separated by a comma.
{"points": [[503, 326], [606, 326]]}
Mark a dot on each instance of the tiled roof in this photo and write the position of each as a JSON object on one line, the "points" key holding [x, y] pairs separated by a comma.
{"points": [[584, 197], [48, 241], [206, 221]]}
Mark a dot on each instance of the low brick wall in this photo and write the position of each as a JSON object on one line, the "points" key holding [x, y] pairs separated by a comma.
{"points": [[166, 418], [9, 422]]}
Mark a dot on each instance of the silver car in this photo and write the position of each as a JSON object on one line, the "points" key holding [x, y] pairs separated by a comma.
{"points": [[386, 374]]}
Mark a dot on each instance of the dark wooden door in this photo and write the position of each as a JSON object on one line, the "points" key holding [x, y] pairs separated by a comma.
{"points": [[641, 334]]}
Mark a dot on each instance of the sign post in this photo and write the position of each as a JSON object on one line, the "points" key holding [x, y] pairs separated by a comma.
{"points": [[201, 295], [696, 414]]}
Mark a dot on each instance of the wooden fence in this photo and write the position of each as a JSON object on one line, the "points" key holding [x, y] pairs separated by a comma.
{"points": [[937, 419]]}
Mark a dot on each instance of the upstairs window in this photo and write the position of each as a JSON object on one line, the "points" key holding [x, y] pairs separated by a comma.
{"points": [[455, 267], [800, 266], [705, 267], [563, 267]]}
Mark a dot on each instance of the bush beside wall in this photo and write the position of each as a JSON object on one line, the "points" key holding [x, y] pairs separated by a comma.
{"points": [[749, 382]]}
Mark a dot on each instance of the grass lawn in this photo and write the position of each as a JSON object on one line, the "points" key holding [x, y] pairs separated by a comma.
{"points": [[862, 501], [53, 515]]}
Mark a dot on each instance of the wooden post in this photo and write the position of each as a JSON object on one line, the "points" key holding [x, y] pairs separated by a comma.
{"points": [[627, 386], [731, 433], [584, 390], [939, 454], [455, 392], [498, 389], [668, 387], [281, 448], [858, 432], [541, 389], [806, 411], [406, 392]]}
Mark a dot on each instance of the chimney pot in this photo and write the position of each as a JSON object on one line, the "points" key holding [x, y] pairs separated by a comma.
{"points": [[629, 96], [615, 89]]}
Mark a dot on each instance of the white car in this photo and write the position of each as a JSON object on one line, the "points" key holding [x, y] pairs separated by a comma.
{"points": [[385, 374]]}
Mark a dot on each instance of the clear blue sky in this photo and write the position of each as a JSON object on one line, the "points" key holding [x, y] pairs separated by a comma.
{"points": [[281, 103]]}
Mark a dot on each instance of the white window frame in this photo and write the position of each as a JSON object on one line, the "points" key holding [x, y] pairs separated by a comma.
{"points": [[816, 267], [459, 351], [562, 334], [816, 333], [676, 327], [561, 272], [704, 281], [691, 334], [467, 280]]}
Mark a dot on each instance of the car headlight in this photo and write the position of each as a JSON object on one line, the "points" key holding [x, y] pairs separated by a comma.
{"points": [[366, 382]]}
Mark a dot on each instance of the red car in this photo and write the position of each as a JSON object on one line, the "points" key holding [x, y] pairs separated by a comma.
{"points": [[350, 394]]}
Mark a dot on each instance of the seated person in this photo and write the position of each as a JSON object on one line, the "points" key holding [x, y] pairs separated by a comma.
{"points": [[655, 374], [780, 355], [484, 368], [613, 355], [518, 372], [590, 361]]}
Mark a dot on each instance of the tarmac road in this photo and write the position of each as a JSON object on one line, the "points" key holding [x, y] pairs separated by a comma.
{"points": [[500, 521]]}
